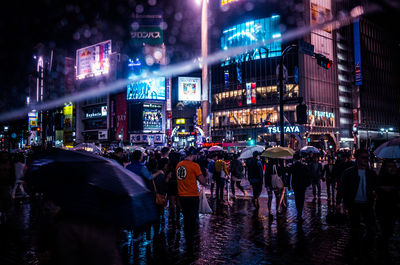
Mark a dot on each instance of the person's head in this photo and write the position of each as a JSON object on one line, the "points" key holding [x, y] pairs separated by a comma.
{"points": [[191, 153], [118, 151], [152, 164], [345, 157], [163, 164], [165, 151], [214, 156], [296, 157], [235, 156], [137, 155], [362, 157], [256, 155], [388, 168]]}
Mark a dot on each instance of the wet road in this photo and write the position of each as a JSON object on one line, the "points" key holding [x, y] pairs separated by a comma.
{"points": [[235, 234]]}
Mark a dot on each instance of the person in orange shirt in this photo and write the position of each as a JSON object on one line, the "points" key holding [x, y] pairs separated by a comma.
{"points": [[187, 174]]}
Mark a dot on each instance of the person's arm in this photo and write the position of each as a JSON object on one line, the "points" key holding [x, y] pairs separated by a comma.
{"points": [[199, 175], [226, 170], [146, 174]]}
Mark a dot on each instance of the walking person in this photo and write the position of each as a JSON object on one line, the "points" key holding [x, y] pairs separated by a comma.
{"points": [[387, 212], [220, 176], [172, 189], [315, 169], [330, 177], [255, 177], [358, 187], [236, 169], [188, 173], [270, 169], [300, 180], [211, 169], [341, 165]]}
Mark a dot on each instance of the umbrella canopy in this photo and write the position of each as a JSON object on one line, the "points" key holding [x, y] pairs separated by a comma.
{"points": [[142, 149], [279, 152], [215, 148], [308, 149], [90, 186], [248, 151], [389, 150], [90, 147]]}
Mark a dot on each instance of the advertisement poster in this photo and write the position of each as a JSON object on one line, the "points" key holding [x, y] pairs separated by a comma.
{"points": [[248, 93], [153, 89], [93, 60], [251, 93], [152, 117], [189, 88], [68, 112], [321, 38], [33, 119]]}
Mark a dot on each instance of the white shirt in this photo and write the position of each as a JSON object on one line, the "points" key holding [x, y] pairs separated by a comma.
{"points": [[361, 196]]}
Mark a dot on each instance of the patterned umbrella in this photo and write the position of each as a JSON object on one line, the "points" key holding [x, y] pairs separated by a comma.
{"points": [[389, 150]]}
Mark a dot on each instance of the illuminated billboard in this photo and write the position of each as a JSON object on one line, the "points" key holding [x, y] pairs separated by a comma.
{"points": [[149, 89], [93, 60], [189, 88], [252, 32], [251, 93], [152, 35], [225, 2], [152, 117], [320, 12]]}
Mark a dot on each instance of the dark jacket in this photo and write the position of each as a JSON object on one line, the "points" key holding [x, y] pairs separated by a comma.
{"points": [[236, 168], [255, 171], [330, 176], [269, 170], [351, 181], [315, 172], [300, 178]]}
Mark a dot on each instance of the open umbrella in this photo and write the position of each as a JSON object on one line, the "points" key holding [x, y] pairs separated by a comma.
{"points": [[279, 152], [215, 148], [308, 149], [89, 147], [248, 151], [389, 150], [90, 186]]}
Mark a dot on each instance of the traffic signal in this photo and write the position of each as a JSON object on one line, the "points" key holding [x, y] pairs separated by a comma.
{"points": [[323, 61], [301, 112], [38, 129]]}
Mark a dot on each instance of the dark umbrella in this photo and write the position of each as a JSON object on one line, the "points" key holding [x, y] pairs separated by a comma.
{"points": [[90, 186]]}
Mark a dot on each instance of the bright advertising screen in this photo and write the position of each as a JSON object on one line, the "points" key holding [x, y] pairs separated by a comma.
{"points": [[189, 88], [320, 12], [152, 117], [149, 89], [93, 60], [252, 32]]}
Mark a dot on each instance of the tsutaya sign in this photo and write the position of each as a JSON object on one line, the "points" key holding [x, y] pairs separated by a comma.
{"points": [[287, 129], [322, 114]]}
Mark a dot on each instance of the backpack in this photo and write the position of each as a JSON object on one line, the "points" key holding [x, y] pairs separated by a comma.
{"points": [[217, 174]]}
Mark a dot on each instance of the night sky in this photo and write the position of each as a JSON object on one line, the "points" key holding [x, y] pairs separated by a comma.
{"points": [[69, 25]]}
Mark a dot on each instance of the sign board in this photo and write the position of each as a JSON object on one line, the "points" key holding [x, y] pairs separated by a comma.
{"points": [[357, 52], [152, 117], [306, 48], [287, 129], [146, 138], [251, 93], [152, 35], [103, 134], [68, 112], [93, 60], [189, 88]]}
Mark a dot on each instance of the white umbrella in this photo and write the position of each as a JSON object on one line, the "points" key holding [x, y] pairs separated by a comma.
{"points": [[215, 148], [389, 150], [248, 151], [308, 149], [89, 147]]}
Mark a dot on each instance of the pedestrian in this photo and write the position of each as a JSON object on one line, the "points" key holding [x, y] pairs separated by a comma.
{"points": [[220, 176], [165, 152], [172, 190], [315, 169], [270, 169], [255, 177], [211, 169], [344, 162], [7, 181], [300, 180], [330, 177], [236, 169], [387, 199], [19, 167], [188, 173], [358, 187], [118, 155]]}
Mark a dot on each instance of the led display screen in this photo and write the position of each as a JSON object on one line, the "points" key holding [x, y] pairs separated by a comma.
{"points": [[93, 60], [152, 117], [252, 32], [189, 89], [150, 89]]}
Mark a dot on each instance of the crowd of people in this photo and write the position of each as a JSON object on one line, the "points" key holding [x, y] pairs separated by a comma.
{"points": [[352, 187]]}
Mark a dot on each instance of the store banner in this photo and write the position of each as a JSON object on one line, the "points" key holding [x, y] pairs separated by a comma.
{"points": [[152, 35], [357, 52]]}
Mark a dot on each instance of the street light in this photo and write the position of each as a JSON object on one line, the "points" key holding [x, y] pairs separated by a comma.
{"points": [[204, 69]]}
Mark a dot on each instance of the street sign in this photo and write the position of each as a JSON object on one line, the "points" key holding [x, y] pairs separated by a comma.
{"points": [[306, 48]]}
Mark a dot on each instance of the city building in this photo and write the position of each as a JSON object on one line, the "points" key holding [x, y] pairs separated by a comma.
{"points": [[245, 89]]}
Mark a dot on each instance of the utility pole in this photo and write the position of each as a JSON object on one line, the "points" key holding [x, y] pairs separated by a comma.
{"points": [[281, 102]]}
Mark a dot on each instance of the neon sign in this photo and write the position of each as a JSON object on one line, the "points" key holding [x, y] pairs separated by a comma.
{"points": [[287, 129]]}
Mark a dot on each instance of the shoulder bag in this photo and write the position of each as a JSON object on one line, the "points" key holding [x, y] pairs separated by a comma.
{"points": [[161, 200]]}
